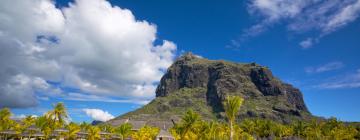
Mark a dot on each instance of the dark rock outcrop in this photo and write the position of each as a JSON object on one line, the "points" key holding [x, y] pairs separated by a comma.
{"points": [[201, 84]]}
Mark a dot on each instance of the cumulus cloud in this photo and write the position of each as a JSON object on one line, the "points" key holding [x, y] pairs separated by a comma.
{"points": [[326, 67], [91, 45], [98, 114], [322, 17]]}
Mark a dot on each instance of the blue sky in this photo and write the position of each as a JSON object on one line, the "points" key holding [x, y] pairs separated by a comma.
{"points": [[315, 50]]}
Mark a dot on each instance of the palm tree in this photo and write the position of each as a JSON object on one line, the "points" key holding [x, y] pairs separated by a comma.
{"points": [[28, 121], [44, 124], [108, 129], [73, 129], [93, 133], [299, 128], [124, 130], [232, 106], [248, 126], [85, 126], [58, 115], [188, 121], [146, 133], [5, 121]]}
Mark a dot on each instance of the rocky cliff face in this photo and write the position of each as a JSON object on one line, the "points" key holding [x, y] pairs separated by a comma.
{"points": [[201, 84]]}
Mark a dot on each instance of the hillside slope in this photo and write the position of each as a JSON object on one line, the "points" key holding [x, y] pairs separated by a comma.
{"points": [[202, 85]]}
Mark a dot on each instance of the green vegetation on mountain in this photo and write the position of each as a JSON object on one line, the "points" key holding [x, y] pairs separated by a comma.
{"points": [[202, 85]]}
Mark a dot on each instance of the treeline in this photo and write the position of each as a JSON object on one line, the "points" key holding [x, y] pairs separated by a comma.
{"points": [[249, 129], [53, 125], [191, 127]]}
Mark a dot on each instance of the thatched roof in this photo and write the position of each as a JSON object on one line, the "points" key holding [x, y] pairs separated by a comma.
{"points": [[164, 134], [137, 124], [8, 132]]}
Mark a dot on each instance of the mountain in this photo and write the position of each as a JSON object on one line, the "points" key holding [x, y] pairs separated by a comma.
{"points": [[192, 82], [95, 122]]}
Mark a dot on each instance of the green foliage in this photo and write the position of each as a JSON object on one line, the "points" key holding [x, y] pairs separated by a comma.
{"points": [[174, 105], [232, 105], [190, 127], [85, 126], [124, 130], [93, 133], [57, 115], [187, 123], [43, 123], [5, 121], [73, 129], [146, 133]]}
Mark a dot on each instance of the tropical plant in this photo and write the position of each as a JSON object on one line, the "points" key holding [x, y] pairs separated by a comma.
{"points": [[124, 130], [93, 133], [248, 126], [188, 121], [43, 123], [73, 129], [231, 106], [146, 133], [107, 129], [27, 122], [5, 121], [85, 126], [299, 128], [58, 115], [314, 130]]}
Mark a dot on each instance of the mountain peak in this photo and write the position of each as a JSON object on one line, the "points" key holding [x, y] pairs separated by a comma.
{"points": [[202, 85]]}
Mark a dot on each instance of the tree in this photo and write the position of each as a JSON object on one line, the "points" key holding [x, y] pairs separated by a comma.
{"points": [[146, 133], [187, 123], [5, 121], [105, 127], [314, 130], [213, 130], [124, 130], [58, 115], [93, 133], [27, 122], [43, 123], [85, 126], [232, 106], [73, 129], [248, 126], [299, 128]]}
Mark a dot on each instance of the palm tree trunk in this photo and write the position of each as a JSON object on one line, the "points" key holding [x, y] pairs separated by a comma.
{"points": [[231, 131]]}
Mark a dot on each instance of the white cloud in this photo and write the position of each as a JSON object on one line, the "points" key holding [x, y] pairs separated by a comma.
{"points": [[345, 15], [91, 45], [326, 67], [343, 81], [85, 97], [277, 9], [21, 116], [301, 16], [307, 43], [98, 114]]}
